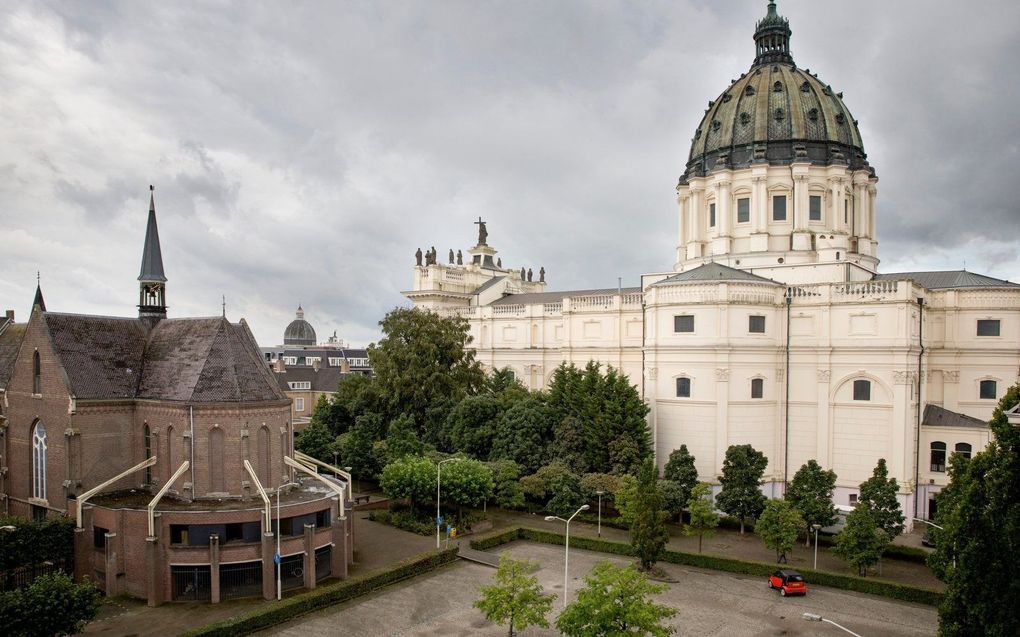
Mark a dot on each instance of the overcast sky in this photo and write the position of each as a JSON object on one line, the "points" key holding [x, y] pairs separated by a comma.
{"points": [[302, 151]]}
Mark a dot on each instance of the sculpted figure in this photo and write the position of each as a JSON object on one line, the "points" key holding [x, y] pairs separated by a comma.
{"points": [[541, 274], [529, 275], [483, 234], [417, 256], [460, 258], [451, 255], [523, 274]]}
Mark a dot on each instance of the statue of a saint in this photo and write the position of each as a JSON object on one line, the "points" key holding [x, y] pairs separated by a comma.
{"points": [[483, 234], [417, 256], [523, 274], [529, 275], [541, 274], [499, 263], [451, 256], [460, 258]]}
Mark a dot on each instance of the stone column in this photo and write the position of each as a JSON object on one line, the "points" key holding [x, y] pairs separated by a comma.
{"points": [[694, 241], [154, 578], [759, 224], [268, 566], [214, 568], [836, 196], [683, 198], [338, 555], [872, 194], [801, 205], [83, 550], [309, 563]]}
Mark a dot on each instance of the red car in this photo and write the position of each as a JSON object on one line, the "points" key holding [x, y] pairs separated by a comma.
{"points": [[788, 583]]}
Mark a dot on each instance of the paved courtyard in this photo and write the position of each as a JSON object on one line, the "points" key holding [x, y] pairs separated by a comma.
{"points": [[709, 603]]}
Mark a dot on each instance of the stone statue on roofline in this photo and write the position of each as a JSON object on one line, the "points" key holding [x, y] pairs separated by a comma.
{"points": [[460, 258], [499, 263], [417, 257], [529, 275], [541, 274], [483, 234], [451, 256], [523, 274]]}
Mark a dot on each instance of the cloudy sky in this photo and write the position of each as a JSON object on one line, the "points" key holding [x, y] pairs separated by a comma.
{"points": [[302, 151]]}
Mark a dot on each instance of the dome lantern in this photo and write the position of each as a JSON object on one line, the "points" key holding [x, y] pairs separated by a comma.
{"points": [[772, 38]]}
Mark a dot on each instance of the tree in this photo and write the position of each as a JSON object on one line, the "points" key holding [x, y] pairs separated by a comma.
{"points": [[948, 500], [402, 440], [503, 385], [741, 496], [506, 489], [878, 493], [615, 601], [810, 493], [466, 483], [52, 605], [568, 440], [357, 450], [411, 477], [778, 527], [672, 495], [648, 534], [423, 367], [607, 483], [516, 598], [471, 425], [523, 434], [703, 518], [539, 485], [981, 517], [681, 470], [626, 498], [567, 494], [316, 441], [861, 542], [626, 453], [356, 395]]}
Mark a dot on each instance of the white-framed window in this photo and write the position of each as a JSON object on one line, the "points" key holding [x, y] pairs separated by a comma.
{"points": [[300, 384], [290, 360], [815, 208], [862, 390], [334, 361], [779, 208], [311, 360], [39, 461], [988, 327], [938, 457], [964, 449], [683, 323], [853, 499], [756, 324], [743, 210], [299, 404], [683, 387], [988, 390], [757, 388], [711, 215]]}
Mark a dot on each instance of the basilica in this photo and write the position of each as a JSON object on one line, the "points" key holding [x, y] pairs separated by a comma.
{"points": [[774, 327]]}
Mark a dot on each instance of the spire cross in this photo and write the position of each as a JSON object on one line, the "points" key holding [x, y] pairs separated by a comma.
{"points": [[37, 277], [224, 306]]}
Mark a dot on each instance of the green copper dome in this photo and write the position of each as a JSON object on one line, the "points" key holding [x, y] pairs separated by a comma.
{"points": [[775, 113]]}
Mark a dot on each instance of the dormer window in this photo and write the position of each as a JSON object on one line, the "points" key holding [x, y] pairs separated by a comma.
{"points": [[749, 90], [777, 87]]}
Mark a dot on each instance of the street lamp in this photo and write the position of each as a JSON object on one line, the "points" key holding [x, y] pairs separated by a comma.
{"points": [[600, 494], [811, 617], [439, 478], [8, 527], [566, 557], [816, 527]]}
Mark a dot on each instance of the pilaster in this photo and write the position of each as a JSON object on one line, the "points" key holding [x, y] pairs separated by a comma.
{"points": [[214, 568], [268, 566], [309, 561]]}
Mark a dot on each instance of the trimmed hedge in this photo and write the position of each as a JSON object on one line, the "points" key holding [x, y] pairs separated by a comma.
{"points": [[700, 560], [278, 612], [36, 542]]}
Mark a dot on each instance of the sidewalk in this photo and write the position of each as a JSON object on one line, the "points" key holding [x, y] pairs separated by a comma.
{"points": [[732, 544]]}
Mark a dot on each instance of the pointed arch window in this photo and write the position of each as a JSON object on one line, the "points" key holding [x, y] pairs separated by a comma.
{"points": [[39, 460], [36, 374]]}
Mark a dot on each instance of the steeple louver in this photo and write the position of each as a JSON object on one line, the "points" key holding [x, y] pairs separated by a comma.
{"points": [[151, 279]]}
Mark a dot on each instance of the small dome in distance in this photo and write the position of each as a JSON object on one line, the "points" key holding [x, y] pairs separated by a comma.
{"points": [[300, 331]]}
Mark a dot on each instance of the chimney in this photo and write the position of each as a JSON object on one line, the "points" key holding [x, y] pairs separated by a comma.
{"points": [[278, 365], [316, 364], [10, 315], [345, 366]]}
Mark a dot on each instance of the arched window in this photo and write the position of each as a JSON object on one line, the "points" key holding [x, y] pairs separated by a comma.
{"points": [[36, 374], [938, 457], [147, 440], [39, 460], [216, 460], [683, 387], [757, 387], [263, 460], [963, 448], [862, 390]]}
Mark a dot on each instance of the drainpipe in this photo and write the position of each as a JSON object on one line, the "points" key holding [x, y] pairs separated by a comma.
{"points": [[786, 425], [917, 434]]}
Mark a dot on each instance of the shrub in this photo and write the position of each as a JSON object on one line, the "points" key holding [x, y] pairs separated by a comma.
{"points": [[35, 542], [52, 605]]}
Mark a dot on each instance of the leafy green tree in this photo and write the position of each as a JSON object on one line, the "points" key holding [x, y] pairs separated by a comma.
{"points": [[316, 441], [472, 424], [703, 518], [567, 495], [626, 499], [672, 495], [592, 483], [779, 526], [539, 485], [523, 434], [568, 440], [423, 367], [861, 542], [402, 440], [503, 385], [741, 496], [52, 605], [681, 470], [357, 450], [516, 598], [467, 483], [878, 493], [626, 453], [506, 485], [949, 500], [411, 477], [356, 395], [616, 601], [648, 533], [810, 492], [982, 535]]}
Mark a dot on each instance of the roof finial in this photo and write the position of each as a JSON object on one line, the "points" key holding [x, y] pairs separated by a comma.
{"points": [[38, 300], [37, 278], [224, 306]]}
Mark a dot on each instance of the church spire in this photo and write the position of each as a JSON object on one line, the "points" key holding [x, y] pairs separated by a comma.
{"points": [[151, 279], [38, 295], [772, 38]]}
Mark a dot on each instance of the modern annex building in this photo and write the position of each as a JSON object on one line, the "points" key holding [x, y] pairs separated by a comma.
{"points": [[164, 438], [774, 326]]}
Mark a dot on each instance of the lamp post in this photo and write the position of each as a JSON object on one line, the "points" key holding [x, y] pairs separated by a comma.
{"points": [[816, 527], [8, 527], [566, 557], [811, 617], [334, 463], [439, 478], [279, 559], [600, 494]]}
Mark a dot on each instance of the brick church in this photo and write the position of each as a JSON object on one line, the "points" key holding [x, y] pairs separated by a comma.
{"points": [[166, 439]]}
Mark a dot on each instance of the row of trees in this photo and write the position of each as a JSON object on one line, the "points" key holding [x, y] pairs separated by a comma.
{"points": [[429, 394], [613, 601]]}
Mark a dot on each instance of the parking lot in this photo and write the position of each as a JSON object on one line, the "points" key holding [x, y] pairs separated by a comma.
{"points": [[709, 603]]}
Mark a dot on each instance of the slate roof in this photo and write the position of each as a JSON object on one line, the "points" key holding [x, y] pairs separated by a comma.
{"points": [[488, 284], [326, 379], [10, 342], [552, 297], [935, 416], [715, 272], [948, 279], [152, 255], [190, 359]]}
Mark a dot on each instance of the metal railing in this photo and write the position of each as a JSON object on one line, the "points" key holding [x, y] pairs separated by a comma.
{"points": [[240, 580], [190, 583]]}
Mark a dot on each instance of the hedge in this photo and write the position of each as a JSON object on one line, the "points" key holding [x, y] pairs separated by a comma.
{"points": [[36, 542], [278, 612], [700, 560]]}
